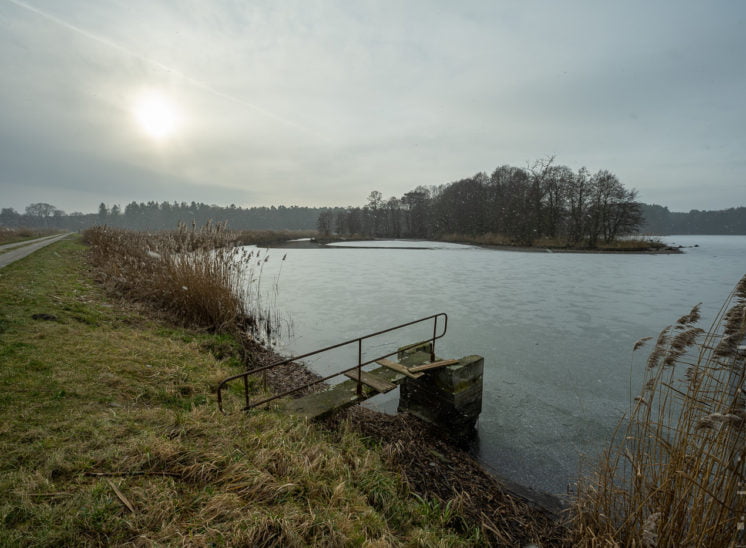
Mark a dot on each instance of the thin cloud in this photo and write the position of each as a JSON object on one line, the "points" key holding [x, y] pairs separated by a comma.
{"points": [[157, 64]]}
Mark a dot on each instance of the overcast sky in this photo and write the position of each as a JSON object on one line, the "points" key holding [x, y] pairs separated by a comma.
{"points": [[320, 102]]}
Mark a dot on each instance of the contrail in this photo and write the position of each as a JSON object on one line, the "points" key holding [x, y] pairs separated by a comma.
{"points": [[153, 62]]}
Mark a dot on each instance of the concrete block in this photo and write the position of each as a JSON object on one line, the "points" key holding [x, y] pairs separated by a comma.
{"points": [[449, 397]]}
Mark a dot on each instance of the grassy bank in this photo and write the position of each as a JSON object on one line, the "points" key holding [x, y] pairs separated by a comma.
{"points": [[110, 436]]}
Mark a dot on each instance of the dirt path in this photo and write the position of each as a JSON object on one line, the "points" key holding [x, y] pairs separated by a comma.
{"points": [[4, 247]]}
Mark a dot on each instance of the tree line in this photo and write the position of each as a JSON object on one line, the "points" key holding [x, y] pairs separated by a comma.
{"points": [[523, 205], [659, 220], [163, 215]]}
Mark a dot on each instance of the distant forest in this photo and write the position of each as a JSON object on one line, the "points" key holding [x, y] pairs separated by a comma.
{"points": [[164, 215], [522, 204], [659, 220]]}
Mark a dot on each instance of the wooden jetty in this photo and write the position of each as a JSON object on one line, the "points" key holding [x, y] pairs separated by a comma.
{"points": [[383, 379]]}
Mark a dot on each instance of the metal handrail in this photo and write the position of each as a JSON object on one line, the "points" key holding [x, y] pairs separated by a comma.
{"points": [[359, 340]]}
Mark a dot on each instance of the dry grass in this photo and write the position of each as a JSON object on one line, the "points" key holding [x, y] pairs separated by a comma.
{"points": [[13, 235], [197, 275], [451, 484], [643, 243], [626, 244], [676, 475], [334, 238], [263, 238], [483, 239]]}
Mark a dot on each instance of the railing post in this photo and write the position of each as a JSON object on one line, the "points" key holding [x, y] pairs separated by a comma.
{"points": [[360, 367], [435, 332], [246, 390]]}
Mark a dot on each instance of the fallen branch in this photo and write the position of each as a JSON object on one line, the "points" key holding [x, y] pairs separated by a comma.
{"points": [[119, 474]]}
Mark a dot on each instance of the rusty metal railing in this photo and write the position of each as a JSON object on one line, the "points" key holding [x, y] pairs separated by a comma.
{"points": [[360, 364]]}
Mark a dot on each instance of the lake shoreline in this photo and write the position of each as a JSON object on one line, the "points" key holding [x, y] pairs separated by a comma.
{"points": [[312, 243], [445, 457], [139, 408]]}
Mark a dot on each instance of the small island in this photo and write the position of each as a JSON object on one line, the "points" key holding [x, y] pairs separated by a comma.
{"points": [[541, 207]]}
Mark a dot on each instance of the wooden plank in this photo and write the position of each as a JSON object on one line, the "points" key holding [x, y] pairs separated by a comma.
{"points": [[433, 365], [377, 383], [399, 368], [322, 403], [345, 394]]}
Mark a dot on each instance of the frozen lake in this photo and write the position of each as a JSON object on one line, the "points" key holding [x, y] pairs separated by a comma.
{"points": [[556, 329]]}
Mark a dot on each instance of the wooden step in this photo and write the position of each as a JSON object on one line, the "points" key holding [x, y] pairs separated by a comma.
{"points": [[322, 403], [375, 382], [339, 396], [433, 365], [399, 368]]}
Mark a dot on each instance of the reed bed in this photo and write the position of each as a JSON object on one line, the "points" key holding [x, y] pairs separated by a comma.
{"points": [[642, 243], [674, 475], [197, 275], [489, 238], [271, 237]]}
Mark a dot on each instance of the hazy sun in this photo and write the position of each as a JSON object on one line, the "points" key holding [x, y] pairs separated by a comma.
{"points": [[156, 114]]}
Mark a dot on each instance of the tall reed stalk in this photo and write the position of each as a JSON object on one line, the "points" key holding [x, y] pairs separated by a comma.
{"points": [[675, 477], [196, 274]]}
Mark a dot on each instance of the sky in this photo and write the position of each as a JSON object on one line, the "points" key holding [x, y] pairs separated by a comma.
{"points": [[318, 103]]}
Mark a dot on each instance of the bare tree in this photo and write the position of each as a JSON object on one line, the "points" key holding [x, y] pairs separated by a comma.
{"points": [[41, 211], [375, 203], [324, 224], [578, 194]]}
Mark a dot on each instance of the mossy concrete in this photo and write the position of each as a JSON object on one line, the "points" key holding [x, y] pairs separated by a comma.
{"points": [[449, 397]]}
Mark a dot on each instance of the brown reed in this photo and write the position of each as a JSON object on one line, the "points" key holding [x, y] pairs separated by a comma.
{"points": [[12, 235], [676, 475], [198, 275]]}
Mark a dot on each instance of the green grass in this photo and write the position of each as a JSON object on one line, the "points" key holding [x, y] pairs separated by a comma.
{"points": [[100, 388]]}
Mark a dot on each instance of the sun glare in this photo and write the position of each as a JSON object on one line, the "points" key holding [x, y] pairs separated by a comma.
{"points": [[156, 115]]}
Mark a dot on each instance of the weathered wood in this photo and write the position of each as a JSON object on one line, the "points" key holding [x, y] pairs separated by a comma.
{"points": [[399, 368], [319, 404], [339, 396], [448, 397], [433, 365], [377, 383]]}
